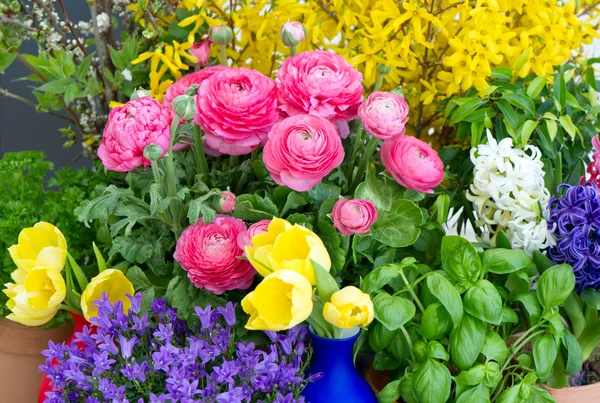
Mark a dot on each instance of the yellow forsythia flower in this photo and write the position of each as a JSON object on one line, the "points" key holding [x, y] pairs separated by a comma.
{"points": [[112, 282], [348, 308], [36, 299], [287, 246], [41, 245], [281, 301]]}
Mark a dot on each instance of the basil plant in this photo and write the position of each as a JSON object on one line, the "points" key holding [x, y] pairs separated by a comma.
{"points": [[479, 327]]}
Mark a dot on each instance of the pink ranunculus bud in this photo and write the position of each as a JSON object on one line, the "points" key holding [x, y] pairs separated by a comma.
{"points": [[245, 238], [201, 51], [292, 33], [384, 115], [301, 150], [413, 163], [320, 83], [353, 216], [236, 108], [225, 203], [210, 255], [130, 128]]}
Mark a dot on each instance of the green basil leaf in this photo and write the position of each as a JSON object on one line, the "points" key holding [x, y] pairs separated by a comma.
{"points": [[531, 305], [542, 261], [509, 316], [484, 302], [392, 311], [473, 376], [493, 374], [436, 321], [555, 285], [504, 261], [544, 355], [466, 341], [460, 259], [445, 292], [437, 350], [478, 394], [591, 298], [502, 241], [379, 336], [406, 389], [390, 393], [539, 395], [379, 277], [511, 395], [517, 283], [574, 353], [385, 362], [494, 347], [431, 382]]}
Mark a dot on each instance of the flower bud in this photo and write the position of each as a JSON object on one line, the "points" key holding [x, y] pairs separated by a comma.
{"points": [[14, 6], [221, 35], [292, 33], [225, 203], [348, 308], [184, 106], [148, 33], [383, 69], [201, 51], [192, 90], [139, 93], [152, 152]]}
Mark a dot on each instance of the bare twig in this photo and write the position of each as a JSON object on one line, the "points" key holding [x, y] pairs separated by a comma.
{"points": [[70, 26], [448, 7], [324, 7], [29, 67], [16, 97], [103, 55], [55, 23], [589, 8], [6, 20]]}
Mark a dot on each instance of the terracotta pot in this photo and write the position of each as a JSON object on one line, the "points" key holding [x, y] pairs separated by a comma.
{"points": [[20, 348], [579, 394], [377, 379]]}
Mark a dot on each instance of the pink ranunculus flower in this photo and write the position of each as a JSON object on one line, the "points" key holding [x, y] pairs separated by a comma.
{"points": [[236, 108], [301, 150], [130, 128], [201, 51], [245, 238], [319, 83], [384, 115], [413, 163], [353, 216], [210, 254], [225, 203]]}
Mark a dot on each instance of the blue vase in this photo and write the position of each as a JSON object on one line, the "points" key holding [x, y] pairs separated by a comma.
{"points": [[341, 382]]}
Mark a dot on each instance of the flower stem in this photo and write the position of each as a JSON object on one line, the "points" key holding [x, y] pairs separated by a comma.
{"points": [[233, 165], [292, 50], [378, 82], [409, 342], [155, 171], [411, 291], [223, 54], [170, 178], [362, 165], [201, 162]]}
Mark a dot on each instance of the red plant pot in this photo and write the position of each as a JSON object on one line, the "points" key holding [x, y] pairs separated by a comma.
{"points": [[80, 322]]}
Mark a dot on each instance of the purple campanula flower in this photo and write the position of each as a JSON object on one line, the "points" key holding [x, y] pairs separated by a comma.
{"points": [[228, 313], [164, 333], [101, 363], [136, 302], [127, 345], [206, 317]]}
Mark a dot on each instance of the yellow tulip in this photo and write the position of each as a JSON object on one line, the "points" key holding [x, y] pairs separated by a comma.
{"points": [[41, 245], [36, 299], [281, 301], [348, 308], [287, 246], [112, 282]]}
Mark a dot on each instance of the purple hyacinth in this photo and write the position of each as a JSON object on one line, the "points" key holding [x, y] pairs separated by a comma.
{"points": [[575, 217], [159, 358]]}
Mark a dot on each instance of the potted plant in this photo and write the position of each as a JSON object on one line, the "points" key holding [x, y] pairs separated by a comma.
{"points": [[443, 331]]}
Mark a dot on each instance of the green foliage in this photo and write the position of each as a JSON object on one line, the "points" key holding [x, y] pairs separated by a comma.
{"points": [[29, 194]]}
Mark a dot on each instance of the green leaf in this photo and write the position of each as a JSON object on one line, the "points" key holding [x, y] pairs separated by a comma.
{"points": [[493, 375], [574, 353], [437, 350], [445, 292], [56, 86], [197, 208], [511, 395], [294, 200], [442, 207], [382, 192], [460, 260], [521, 101], [544, 354], [509, 113], [528, 128], [431, 382], [531, 305], [138, 278], [379, 336], [536, 86], [494, 347], [478, 394], [379, 277], [560, 90], [502, 242], [436, 321], [6, 59], [591, 298], [539, 395], [509, 316], [401, 225], [326, 284], [466, 341], [392, 311], [552, 128], [517, 283], [79, 274], [384, 361], [542, 262], [465, 110], [567, 124], [504, 261], [471, 377], [555, 285], [483, 302], [323, 191], [99, 258], [70, 93], [502, 73], [390, 393], [252, 207]]}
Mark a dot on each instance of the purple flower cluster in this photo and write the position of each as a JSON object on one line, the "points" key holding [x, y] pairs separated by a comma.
{"points": [[576, 218], [159, 358]]}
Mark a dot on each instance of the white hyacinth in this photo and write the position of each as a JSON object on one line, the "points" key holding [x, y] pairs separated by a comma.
{"points": [[508, 194]]}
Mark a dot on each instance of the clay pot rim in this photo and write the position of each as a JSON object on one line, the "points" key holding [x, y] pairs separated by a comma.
{"points": [[575, 388], [37, 329]]}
